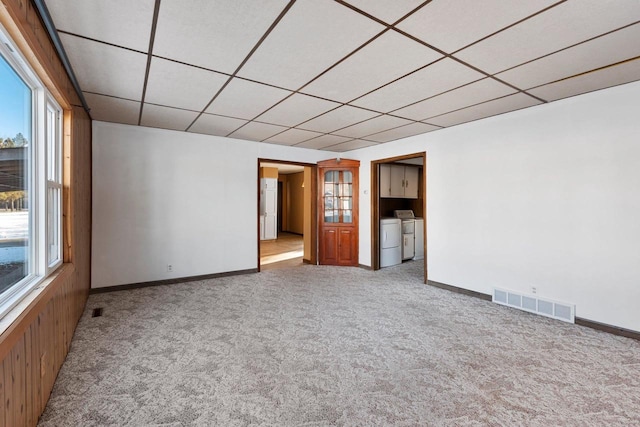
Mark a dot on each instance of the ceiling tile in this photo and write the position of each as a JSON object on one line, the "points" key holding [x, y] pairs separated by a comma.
{"points": [[557, 28], [402, 132], [473, 93], [292, 137], [181, 86], [296, 109], [375, 125], [432, 80], [245, 99], [109, 109], [337, 119], [216, 125], [620, 74], [387, 58], [487, 109], [453, 24], [106, 69], [388, 11], [354, 144], [220, 41], [105, 20], [256, 131], [166, 118], [323, 141], [311, 37], [606, 50]]}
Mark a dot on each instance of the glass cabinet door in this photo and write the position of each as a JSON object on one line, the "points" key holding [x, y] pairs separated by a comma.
{"points": [[338, 196]]}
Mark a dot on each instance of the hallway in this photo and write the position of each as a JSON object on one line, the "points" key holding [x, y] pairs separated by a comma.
{"points": [[286, 251]]}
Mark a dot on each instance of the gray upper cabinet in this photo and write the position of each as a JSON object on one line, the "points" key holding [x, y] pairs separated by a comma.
{"points": [[399, 181]]}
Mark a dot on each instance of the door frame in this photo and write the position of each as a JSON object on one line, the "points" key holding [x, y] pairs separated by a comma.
{"points": [[375, 207], [313, 241]]}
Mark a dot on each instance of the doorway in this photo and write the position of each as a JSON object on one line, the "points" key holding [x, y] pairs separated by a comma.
{"points": [[293, 240], [385, 205]]}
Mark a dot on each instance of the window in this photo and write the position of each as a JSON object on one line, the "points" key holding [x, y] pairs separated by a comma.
{"points": [[30, 178]]}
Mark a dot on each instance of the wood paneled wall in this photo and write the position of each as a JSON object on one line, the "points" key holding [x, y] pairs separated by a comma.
{"points": [[34, 346]]}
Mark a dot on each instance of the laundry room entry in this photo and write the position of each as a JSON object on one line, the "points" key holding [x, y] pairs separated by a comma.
{"points": [[398, 206]]}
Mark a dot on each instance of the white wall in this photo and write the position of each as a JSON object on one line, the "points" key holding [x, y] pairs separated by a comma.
{"points": [[547, 196], [163, 197]]}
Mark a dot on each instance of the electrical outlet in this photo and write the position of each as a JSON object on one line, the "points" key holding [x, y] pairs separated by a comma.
{"points": [[534, 290], [169, 268]]}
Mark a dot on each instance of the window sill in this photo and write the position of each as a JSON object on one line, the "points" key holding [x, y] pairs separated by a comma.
{"points": [[30, 307]]}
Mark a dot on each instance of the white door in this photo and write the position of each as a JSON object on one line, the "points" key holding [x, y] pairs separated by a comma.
{"points": [[419, 239], [397, 181], [385, 180], [390, 235], [269, 208], [408, 246], [411, 182]]}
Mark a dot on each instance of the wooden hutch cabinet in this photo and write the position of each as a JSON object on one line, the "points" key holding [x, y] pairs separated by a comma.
{"points": [[338, 212]]}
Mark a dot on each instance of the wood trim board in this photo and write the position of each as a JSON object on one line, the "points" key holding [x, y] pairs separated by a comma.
{"points": [[139, 285]]}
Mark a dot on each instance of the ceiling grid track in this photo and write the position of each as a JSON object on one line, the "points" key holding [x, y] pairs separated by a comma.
{"points": [[154, 25], [262, 39], [359, 48], [339, 70]]}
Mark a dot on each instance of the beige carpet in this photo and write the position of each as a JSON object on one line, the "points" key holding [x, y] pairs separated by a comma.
{"points": [[320, 346]]}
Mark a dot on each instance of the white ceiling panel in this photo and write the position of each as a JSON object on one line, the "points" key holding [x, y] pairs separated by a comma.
{"points": [[311, 37], [356, 59], [296, 109], [453, 24], [606, 50], [491, 108], [562, 26], [432, 80], [245, 99], [292, 137], [256, 131], [388, 11], [354, 144], [375, 125], [106, 69], [387, 58], [181, 86], [338, 118], [105, 20], [620, 74], [166, 118], [402, 132], [216, 125], [473, 93], [213, 34], [109, 109], [323, 141]]}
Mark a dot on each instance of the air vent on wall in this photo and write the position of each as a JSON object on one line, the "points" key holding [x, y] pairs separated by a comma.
{"points": [[534, 304]]}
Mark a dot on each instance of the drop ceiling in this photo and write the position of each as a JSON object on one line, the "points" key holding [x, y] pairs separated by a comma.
{"points": [[339, 75]]}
